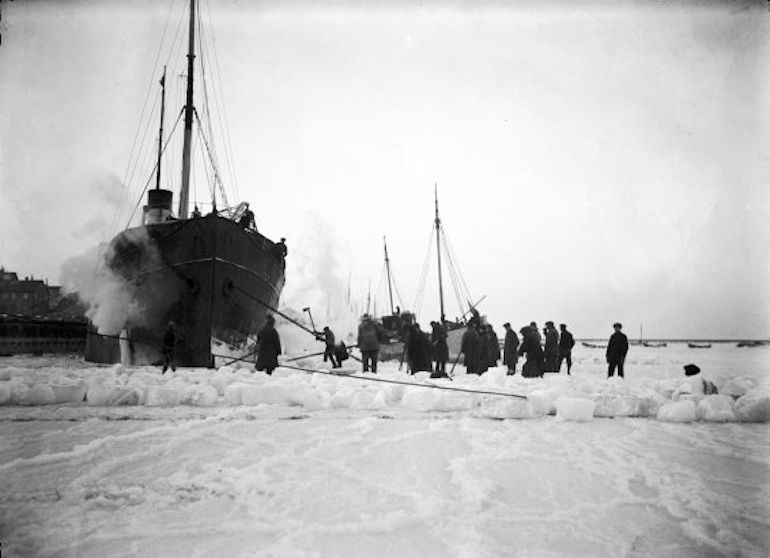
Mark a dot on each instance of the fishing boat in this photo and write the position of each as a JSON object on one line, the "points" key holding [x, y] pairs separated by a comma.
{"points": [[651, 344], [396, 323], [593, 345], [215, 276], [699, 345], [750, 344]]}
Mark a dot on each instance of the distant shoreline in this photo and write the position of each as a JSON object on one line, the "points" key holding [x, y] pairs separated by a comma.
{"points": [[667, 340]]}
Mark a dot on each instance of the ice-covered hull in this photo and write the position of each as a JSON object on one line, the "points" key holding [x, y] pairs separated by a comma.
{"points": [[209, 275]]}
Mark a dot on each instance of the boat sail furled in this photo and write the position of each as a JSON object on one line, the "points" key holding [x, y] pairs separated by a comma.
{"points": [[214, 277]]}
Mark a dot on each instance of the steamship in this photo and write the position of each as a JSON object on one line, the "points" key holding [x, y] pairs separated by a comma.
{"points": [[214, 275]]}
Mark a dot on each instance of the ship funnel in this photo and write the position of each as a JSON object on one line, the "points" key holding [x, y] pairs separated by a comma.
{"points": [[158, 208]]}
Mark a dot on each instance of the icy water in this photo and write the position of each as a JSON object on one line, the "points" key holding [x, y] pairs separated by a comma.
{"points": [[230, 463]]}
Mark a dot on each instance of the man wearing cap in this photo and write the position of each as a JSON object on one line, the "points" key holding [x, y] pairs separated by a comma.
{"points": [[530, 346], [551, 348], [510, 356], [617, 347], [535, 331], [328, 338], [566, 342]]}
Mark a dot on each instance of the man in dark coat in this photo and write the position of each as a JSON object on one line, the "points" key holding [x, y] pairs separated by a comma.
{"points": [[617, 347], [269, 347], [470, 348], [369, 334], [247, 218], [439, 347], [418, 350], [566, 342], [530, 346], [510, 356], [494, 346], [551, 348], [535, 331], [169, 347], [328, 338], [483, 349]]}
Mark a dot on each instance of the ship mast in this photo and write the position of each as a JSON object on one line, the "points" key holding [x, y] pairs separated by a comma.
{"points": [[160, 135], [438, 253], [387, 269], [188, 119]]}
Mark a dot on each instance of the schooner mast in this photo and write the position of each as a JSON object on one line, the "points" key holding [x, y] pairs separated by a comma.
{"points": [[189, 110], [387, 269], [438, 252], [162, 115]]}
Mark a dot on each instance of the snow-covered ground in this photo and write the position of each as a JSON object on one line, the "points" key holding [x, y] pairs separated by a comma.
{"points": [[235, 463]]}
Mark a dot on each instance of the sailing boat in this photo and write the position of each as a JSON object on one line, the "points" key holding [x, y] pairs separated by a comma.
{"points": [[396, 323], [215, 278], [651, 344], [455, 327]]}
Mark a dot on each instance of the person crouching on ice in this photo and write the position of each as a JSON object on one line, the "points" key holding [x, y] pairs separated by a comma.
{"points": [[699, 384], [269, 347]]}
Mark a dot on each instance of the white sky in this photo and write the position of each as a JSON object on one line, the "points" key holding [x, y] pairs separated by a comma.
{"points": [[595, 162]]}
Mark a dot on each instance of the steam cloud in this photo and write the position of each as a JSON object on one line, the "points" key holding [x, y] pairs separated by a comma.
{"points": [[111, 299], [314, 280]]}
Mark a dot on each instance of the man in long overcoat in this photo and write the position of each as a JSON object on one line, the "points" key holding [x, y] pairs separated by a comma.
{"points": [[369, 334], [530, 346], [418, 350], [566, 342], [470, 348], [269, 347], [493, 344], [551, 348], [483, 349], [439, 347], [617, 347], [510, 356]]}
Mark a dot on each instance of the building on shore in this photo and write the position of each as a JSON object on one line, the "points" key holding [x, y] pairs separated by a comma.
{"points": [[36, 317]]}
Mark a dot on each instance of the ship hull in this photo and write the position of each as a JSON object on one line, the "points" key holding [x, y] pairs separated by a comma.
{"points": [[216, 280]]}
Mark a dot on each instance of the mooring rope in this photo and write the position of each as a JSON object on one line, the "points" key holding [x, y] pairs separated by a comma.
{"points": [[400, 382]]}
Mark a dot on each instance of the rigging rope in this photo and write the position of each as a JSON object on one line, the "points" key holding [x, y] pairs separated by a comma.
{"points": [[144, 107], [217, 180], [228, 145], [423, 276], [140, 151], [456, 273], [141, 195]]}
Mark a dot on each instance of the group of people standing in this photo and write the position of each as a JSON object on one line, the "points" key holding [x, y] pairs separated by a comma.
{"points": [[541, 357], [480, 346]]}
